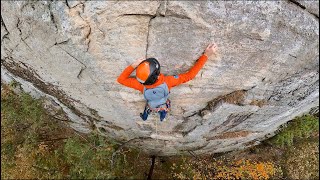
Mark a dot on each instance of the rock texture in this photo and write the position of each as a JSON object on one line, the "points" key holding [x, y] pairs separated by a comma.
{"points": [[71, 52]]}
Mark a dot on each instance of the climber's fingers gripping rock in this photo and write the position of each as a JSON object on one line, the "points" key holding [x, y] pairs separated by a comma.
{"points": [[211, 49]]}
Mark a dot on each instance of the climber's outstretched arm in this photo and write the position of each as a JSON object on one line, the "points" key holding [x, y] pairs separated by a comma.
{"points": [[185, 77], [125, 80]]}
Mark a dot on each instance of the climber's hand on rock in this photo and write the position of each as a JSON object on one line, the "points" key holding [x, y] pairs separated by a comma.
{"points": [[137, 62], [211, 49]]}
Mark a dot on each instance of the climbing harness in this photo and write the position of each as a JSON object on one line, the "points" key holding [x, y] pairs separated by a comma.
{"points": [[162, 110], [162, 107]]}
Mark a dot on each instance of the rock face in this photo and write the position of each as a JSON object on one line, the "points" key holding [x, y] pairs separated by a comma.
{"points": [[71, 52]]}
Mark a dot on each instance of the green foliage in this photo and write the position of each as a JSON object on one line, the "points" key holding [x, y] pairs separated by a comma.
{"points": [[14, 84], [21, 111], [300, 127], [33, 145], [21, 117], [93, 152]]}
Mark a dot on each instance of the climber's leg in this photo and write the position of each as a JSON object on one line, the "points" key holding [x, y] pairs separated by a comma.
{"points": [[145, 113], [163, 114]]}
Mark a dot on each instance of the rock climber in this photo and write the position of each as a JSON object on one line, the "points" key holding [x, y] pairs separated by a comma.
{"points": [[155, 86]]}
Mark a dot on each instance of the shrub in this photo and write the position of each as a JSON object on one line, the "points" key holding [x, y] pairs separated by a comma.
{"points": [[300, 127]]}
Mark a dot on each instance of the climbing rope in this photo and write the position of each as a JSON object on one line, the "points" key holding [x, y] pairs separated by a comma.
{"points": [[156, 130]]}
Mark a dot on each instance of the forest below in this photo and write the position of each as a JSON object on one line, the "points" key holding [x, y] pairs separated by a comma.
{"points": [[37, 145]]}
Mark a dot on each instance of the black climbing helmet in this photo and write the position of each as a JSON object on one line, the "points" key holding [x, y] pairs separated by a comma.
{"points": [[148, 71]]}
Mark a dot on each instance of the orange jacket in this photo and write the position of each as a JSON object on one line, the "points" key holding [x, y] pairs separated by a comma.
{"points": [[171, 81]]}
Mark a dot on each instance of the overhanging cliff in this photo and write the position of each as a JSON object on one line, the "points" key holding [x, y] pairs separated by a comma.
{"points": [[73, 51]]}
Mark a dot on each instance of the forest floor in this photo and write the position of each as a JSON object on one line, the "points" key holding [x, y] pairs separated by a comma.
{"points": [[37, 145]]}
